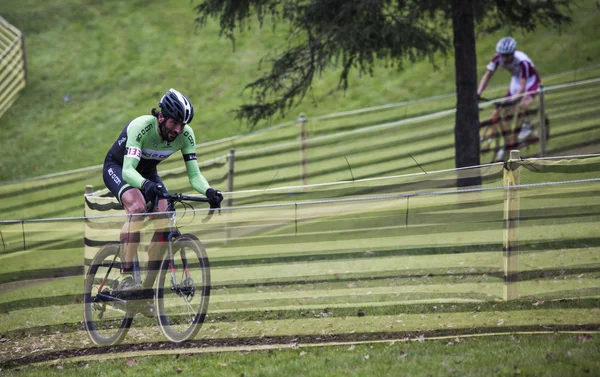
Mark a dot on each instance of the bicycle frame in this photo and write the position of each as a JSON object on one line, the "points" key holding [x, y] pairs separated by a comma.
{"points": [[174, 232], [508, 124]]}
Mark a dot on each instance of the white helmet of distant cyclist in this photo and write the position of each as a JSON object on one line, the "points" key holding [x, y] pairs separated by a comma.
{"points": [[506, 45]]}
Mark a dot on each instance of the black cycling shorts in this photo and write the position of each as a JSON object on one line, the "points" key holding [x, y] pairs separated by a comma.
{"points": [[113, 179]]}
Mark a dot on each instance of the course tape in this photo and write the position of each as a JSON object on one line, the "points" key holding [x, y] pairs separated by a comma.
{"points": [[313, 202]]}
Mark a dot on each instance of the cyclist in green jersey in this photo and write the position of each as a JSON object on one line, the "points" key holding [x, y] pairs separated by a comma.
{"points": [[130, 174]]}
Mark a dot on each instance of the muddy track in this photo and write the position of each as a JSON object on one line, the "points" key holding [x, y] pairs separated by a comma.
{"points": [[283, 342]]}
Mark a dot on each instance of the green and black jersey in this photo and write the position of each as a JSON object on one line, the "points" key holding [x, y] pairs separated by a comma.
{"points": [[139, 149]]}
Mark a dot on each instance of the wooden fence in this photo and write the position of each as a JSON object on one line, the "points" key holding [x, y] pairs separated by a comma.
{"points": [[13, 64]]}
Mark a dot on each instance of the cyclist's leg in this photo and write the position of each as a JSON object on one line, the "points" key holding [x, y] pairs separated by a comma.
{"points": [[489, 131], [504, 129], [155, 249], [135, 205], [515, 121], [159, 239], [524, 124], [132, 201], [531, 92], [512, 118], [496, 124]]}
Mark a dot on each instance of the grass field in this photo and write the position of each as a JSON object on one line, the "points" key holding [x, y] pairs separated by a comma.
{"points": [[419, 278], [509, 355], [342, 271], [425, 266], [113, 61], [336, 151]]}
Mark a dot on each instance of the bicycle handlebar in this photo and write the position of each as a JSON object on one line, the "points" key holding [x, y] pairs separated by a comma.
{"points": [[499, 104], [181, 198]]}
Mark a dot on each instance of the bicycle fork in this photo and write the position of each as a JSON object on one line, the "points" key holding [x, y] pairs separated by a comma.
{"points": [[186, 287]]}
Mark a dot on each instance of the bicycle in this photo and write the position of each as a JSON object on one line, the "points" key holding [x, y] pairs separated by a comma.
{"points": [[182, 305], [492, 129]]}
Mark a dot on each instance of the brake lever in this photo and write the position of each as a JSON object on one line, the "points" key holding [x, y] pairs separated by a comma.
{"points": [[156, 198], [210, 214], [156, 203]]}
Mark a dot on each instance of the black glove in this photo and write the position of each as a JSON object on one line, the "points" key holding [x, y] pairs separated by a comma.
{"points": [[151, 190], [214, 197]]}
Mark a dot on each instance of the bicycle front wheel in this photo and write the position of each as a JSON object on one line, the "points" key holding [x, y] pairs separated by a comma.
{"points": [[183, 289], [106, 319]]}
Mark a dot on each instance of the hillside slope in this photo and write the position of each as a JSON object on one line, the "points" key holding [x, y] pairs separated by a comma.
{"points": [[115, 59]]}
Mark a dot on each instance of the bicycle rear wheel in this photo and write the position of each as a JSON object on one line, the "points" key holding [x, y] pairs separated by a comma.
{"points": [[183, 290], [106, 321]]}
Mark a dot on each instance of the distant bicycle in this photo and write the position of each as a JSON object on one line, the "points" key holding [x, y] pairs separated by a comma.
{"points": [[524, 133], [181, 295]]}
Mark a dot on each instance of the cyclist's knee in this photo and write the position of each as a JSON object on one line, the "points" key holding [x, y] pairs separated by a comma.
{"points": [[494, 117], [135, 207], [526, 101], [133, 202]]}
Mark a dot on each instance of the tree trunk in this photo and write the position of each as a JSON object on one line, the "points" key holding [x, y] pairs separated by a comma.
{"points": [[466, 129]]}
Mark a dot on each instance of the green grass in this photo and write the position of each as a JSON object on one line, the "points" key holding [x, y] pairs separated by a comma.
{"points": [[426, 265], [572, 112], [509, 355], [434, 271], [115, 59], [442, 259]]}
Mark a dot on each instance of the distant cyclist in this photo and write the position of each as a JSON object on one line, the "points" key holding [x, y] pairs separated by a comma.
{"points": [[525, 79], [130, 174]]}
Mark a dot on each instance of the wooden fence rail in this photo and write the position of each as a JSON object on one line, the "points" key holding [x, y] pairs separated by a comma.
{"points": [[13, 64]]}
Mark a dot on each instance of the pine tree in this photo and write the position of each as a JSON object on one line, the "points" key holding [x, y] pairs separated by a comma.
{"points": [[355, 34]]}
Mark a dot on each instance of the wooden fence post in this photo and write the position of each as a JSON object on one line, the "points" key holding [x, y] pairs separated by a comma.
{"points": [[542, 116], [303, 162], [511, 226], [231, 164], [230, 173], [24, 55]]}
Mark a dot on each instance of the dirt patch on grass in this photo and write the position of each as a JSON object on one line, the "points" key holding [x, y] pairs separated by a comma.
{"points": [[48, 348]]}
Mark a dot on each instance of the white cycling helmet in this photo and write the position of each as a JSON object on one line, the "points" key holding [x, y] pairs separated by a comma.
{"points": [[506, 45], [177, 106]]}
